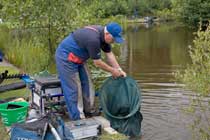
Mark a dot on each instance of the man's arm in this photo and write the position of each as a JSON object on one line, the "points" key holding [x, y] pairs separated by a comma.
{"points": [[111, 59], [101, 64]]}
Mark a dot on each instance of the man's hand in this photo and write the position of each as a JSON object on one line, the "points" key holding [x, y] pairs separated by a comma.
{"points": [[123, 74], [116, 73]]}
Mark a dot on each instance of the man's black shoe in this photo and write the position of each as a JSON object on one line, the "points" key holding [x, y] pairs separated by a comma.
{"points": [[92, 113]]}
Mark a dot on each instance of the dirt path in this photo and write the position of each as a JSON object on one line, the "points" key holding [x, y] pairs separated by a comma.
{"points": [[7, 64]]}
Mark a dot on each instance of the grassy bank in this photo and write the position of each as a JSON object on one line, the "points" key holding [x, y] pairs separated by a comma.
{"points": [[3, 134]]}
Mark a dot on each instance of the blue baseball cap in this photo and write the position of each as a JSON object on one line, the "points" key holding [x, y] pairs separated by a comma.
{"points": [[116, 31]]}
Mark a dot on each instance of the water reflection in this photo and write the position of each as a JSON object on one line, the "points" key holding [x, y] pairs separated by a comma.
{"points": [[152, 54]]}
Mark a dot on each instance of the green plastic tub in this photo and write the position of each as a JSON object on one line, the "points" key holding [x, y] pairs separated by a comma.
{"points": [[13, 112]]}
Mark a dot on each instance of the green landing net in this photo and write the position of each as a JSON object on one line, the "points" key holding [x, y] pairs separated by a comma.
{"points": [[120, 100]]}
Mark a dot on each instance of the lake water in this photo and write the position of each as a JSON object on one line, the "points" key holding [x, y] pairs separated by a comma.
{"points": [[151, 55]]}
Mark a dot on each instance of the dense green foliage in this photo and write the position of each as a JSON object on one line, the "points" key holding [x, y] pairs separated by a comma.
{"points": [[27, 54], [74, 13], [198, 73], [37, 27], [196, 77], [51, 20], [192, 11]]}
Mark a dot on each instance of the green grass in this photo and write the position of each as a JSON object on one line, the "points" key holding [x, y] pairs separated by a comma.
{"points": [[3, 133], [28, 55], [11, 69], [24, 93], [106, 136]]}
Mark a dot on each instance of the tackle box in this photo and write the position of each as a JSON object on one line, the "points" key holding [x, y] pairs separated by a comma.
{"points": [[84, 128], [46, 92]]}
